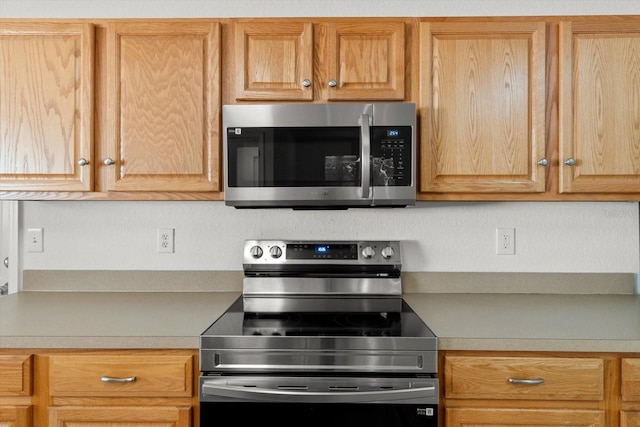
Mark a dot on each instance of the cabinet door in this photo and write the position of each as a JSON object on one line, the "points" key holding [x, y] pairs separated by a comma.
{"points": [[524, 417], [120, 416], [274, 61], [46, 106], [15, 416], [483, 116], [365, 61], [600, 106], [163, 102], [629, 419]]}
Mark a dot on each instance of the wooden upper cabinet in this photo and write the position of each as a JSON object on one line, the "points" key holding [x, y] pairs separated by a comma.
{"points": [[303, 61], [274, 61], [46, 106], [600, 105], [365, 61], [483, 107], [163, 100]]}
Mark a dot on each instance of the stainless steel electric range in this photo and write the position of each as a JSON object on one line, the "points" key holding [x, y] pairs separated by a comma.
{"points": [[320, 336]]}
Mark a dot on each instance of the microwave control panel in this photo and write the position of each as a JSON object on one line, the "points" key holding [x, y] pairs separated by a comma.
{"points": [[391, 155]]}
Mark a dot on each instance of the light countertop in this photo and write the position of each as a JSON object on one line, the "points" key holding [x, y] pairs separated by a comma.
{"points": [[519, 322]]}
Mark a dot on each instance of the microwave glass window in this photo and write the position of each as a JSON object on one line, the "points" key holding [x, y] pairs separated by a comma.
{"points": [[294, 157]]}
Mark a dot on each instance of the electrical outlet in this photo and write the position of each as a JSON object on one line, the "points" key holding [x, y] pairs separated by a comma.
{"points": [[165, 240], [505, 241], [34, 240]]}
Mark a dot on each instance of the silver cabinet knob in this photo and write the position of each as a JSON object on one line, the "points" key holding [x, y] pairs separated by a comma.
{"points": [[6, 262], [570, 161], [109, 161], [543, 162], [83, 162], [306, 83], [333, 83]]}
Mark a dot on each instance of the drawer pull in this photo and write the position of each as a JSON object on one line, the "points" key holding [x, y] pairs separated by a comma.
{"points": [[526, 381], [106, 379]]}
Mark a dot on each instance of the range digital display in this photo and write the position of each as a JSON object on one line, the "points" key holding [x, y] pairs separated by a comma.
{"points": [[322, 251]]}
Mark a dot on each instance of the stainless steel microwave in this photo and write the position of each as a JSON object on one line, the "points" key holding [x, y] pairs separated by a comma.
{"points": [[319, 155]]}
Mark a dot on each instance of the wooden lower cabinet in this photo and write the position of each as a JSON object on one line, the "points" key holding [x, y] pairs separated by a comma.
{"points": [[16, 388], [630, 390], [96, 416], [523, 417], [15, 416], [527, 389], [121, 388]]}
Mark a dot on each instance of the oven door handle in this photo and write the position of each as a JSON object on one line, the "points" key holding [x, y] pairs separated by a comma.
{"points": [[301, 394]]}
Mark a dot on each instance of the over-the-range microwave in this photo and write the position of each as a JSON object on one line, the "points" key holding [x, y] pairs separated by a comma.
{"points": [[319, 155]]}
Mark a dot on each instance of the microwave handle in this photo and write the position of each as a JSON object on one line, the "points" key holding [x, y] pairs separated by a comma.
{"points": [[365, 156]]}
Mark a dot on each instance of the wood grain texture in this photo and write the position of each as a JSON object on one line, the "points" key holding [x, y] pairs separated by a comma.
{"points": [[600, 106], [16, 372], [15, 416], [119, 416], [272, 59], [475, 417], [163, 102], [631, 380], [483, 97], [46, 106]]}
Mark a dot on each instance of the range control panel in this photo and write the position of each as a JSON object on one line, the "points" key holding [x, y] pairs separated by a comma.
{"points": [[321, 252]]}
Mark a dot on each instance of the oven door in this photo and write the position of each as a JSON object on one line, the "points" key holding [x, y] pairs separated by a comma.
{"points": [[319, 401]]}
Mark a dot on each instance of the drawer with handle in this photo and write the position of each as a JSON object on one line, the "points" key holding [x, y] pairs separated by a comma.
{"points": [[143, 375], [534, 378]]}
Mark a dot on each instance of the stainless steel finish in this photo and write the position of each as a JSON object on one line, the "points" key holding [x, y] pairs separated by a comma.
{"points": [[109, 161], [543, 162], [333, 83], [365, 160], [321, 389], [570, 161], [306, 83], [107, 379], [319, 115], [387, 252], [83, 162], [280, 286], [526, 381], [6, 262]]}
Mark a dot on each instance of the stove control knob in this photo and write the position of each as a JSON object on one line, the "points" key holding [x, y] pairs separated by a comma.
{"points": [[256, 252], [388, 252], [275, 251], [368, 252]]}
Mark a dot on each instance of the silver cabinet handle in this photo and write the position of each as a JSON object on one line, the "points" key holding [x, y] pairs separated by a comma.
{"points": [[109, 161], [526, 381], [543, 162], [570, 161], [306, 83], [83, 162], [333, 83], [106, 379]]}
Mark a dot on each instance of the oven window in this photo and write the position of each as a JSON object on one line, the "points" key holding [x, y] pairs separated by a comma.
{"points": [[294, 157], [316, 415]]}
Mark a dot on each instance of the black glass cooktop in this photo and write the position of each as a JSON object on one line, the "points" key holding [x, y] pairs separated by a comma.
{"points": [[319, 317]]}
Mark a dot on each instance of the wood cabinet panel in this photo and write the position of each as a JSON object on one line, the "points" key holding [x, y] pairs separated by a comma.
{"points": [[599, 107], [46, 106], [15, 416], [273, 60], [365, 61], [483, 107], [630, 369], [150, 375], [629, 419], [120, 416], [16, 373], [163, 96], [489, 378], [469, 417]]}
